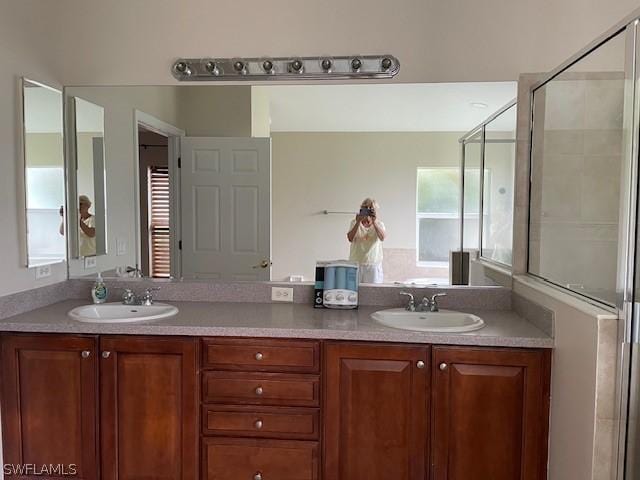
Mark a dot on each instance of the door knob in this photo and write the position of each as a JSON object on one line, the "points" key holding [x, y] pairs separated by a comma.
{"points": [[442, 366], [259, 356], [258, 424], [85, 353], [106, 354], [263, 264], [259, 391], [420, 364], [257, 476]]}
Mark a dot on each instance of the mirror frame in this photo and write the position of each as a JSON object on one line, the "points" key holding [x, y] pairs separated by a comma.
{"points": [[23, 194], [71, 166]]}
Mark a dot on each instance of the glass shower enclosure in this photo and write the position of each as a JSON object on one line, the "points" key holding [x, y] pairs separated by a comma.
{"points": [[583, 234]]}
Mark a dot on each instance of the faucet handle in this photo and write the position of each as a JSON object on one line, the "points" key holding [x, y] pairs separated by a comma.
{"points": [[433, 304], [147, 298], [437, 295], [412, 304], [128, 297]]}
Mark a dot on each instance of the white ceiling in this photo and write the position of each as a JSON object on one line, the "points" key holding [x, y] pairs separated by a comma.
{"points": [[428, 107]]}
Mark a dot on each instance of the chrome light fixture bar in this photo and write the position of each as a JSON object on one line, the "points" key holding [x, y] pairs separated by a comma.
{"points": [[285, 68]]}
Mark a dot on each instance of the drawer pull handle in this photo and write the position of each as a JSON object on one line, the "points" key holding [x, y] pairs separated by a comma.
{"points": [[259, 391], [258, 424], [86, 353], [443, 366], [420, 364], [106, 354], [257, 476], [259, 356]]}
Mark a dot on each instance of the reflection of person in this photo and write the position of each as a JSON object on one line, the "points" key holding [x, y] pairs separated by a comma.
{"points": [[86, 227], [366, 235]]}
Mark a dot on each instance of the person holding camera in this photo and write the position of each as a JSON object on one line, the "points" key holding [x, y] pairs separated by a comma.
{"points": [[366, 234]]}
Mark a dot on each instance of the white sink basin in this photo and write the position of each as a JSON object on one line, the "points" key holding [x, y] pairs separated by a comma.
{"points": [[119, 313], [447, 321]]}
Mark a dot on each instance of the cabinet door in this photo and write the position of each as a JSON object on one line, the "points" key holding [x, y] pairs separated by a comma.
{"points": [[376, 406], [49, 403], [490, 414], [148, 408]]}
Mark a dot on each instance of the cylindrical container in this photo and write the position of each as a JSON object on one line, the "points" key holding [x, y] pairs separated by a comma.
{"points": [[329, 278], [352, 279], [341, 278]]}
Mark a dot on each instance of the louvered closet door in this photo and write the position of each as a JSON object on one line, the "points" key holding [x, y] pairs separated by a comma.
{"points": [[226, 208], [159, 232]]}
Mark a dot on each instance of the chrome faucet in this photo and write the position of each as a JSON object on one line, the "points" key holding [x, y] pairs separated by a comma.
{"points": [[147, 297], [137, 273], [130, 298], [431, 305], [411, 306]]}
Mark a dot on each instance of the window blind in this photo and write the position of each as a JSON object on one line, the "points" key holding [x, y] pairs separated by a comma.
{"points": [[159, 233]]}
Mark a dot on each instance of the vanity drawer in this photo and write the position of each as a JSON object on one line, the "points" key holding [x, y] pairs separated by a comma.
{"points": [[261, 355], [269, 422], [261, 389], [252, 459]]}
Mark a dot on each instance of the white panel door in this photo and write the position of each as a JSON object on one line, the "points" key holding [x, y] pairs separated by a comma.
{"points": [[226, 208]]}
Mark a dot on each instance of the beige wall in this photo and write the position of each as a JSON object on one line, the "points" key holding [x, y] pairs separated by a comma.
{"points": [[215, 111], [124, 42], [313, 172], [19, 57]]}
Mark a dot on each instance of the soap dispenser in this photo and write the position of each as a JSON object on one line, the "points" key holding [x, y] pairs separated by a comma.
{"points": [[99, 290]]}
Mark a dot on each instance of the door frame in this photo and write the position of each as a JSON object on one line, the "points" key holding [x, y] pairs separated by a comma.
{"points": [[174, 135]]}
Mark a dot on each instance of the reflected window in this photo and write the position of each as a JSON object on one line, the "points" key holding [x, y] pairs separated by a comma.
{"points": [[438, 213]]}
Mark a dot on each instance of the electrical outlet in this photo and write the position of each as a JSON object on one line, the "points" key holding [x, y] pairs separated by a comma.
{"points": [[121, 246], [90, 262], [281, 294], [43, 271]]}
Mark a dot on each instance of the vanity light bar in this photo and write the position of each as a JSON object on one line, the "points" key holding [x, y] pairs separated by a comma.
{"points": [[285, 68]]}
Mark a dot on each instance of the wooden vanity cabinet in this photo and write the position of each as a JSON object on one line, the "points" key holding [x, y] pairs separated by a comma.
{"points": [[260, 409], [134, 408], [147, 414], [490, 413], [376, 412], [148, 408], [49, 402]]}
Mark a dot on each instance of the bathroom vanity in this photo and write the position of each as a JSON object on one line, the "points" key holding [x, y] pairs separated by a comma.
{"points": [[325, 400]]}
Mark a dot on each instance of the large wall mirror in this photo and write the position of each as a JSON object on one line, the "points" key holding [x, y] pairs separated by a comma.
{"points": [[87, 179], [44, 173], [260, 182], [577, 173]]}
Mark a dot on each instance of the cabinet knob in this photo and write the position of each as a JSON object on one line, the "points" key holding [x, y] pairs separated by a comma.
{"points": [[442, 366], [258, 424], [106, 354], [257, 476], [259, 391], [85, 353], [420, 364], [259, 356]]}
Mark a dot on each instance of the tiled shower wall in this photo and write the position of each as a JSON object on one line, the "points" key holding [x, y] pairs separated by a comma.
{"points": [[577, 158]]}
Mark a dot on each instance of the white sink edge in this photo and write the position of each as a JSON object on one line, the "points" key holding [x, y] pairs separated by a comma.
{"points": [[380, 319], [172, 311]]}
